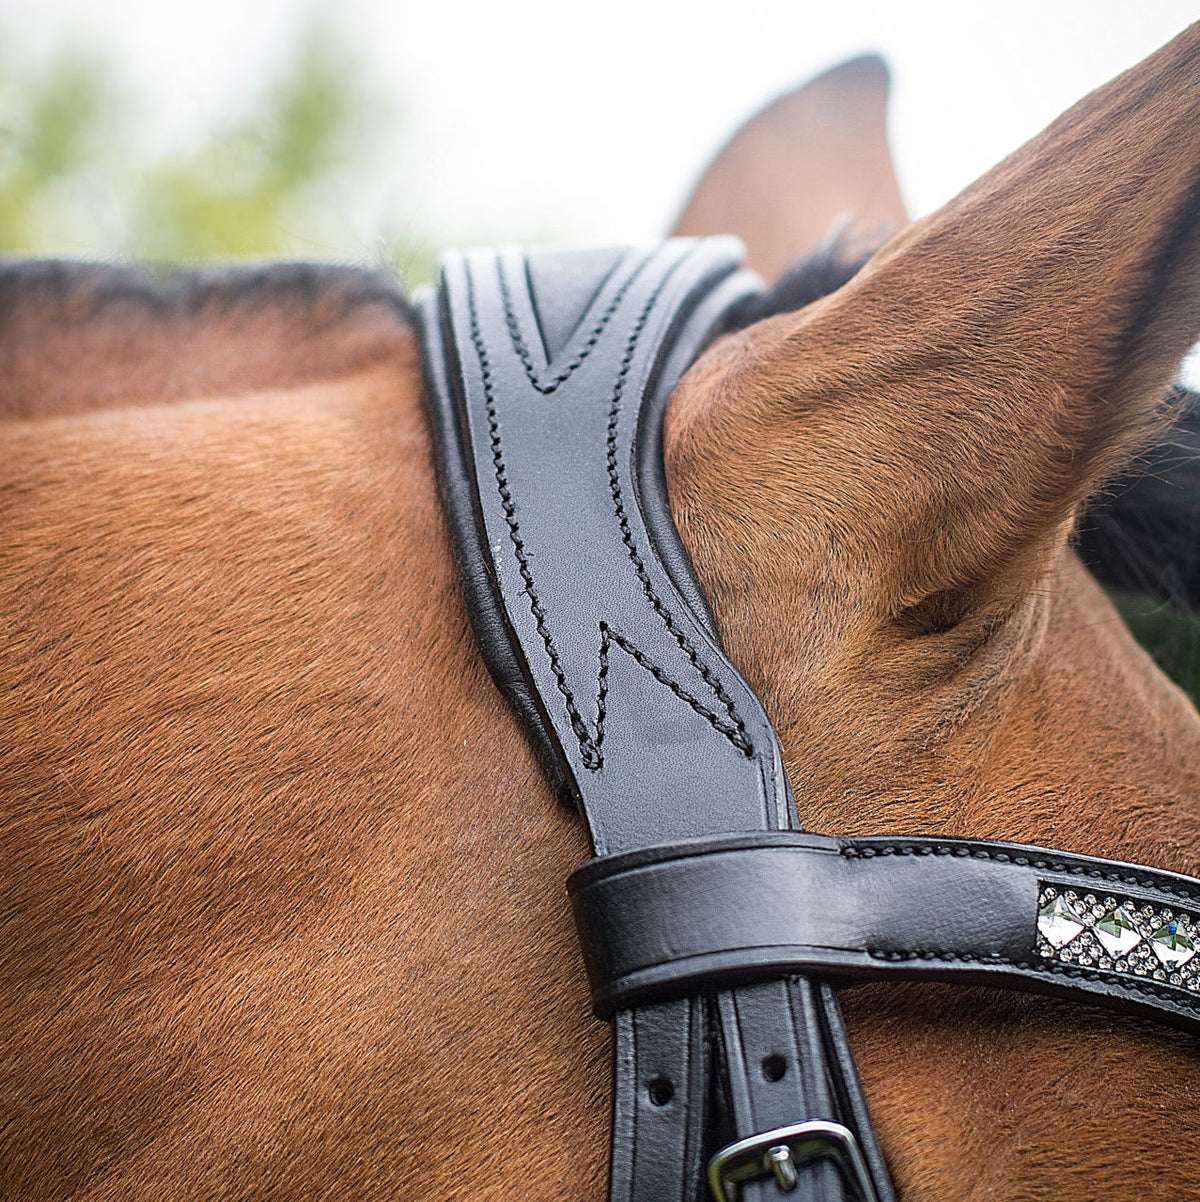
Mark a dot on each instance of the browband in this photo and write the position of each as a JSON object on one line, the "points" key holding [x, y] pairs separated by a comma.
{"points": [[712, 928], [964, 910]]}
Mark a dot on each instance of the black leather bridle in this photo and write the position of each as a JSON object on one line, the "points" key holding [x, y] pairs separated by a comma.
{"points": [[713, 928]]}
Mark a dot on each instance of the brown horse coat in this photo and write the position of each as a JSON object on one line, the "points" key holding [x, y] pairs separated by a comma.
{"points": [[282, 911]]}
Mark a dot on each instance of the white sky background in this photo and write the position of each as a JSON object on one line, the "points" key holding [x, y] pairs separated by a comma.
{"points": [[523, 118], [551, 120]]}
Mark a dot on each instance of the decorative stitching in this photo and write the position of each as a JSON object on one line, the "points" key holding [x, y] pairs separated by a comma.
{"points": [[522, 348], [938, 953], [1167, 993], [1173, 994], [590, 748], [611, 636], [737, 736], [1042, 864]]}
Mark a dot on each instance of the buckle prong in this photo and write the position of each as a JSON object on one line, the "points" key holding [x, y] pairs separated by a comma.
{"points": [[778, 1152], [780, 1157]]}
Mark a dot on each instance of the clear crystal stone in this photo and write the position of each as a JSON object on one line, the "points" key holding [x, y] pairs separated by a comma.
{"points": [[1117, 933], [1059, 922], [1172, 947]]}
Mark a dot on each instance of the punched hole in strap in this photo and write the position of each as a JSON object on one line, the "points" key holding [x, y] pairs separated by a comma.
{"points": [[774, 1068], [660, 1091]]}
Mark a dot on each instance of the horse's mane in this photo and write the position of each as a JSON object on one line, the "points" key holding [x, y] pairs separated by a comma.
{"points": [[90, 289], [1142, 534], [77, 337], [822, 271]]}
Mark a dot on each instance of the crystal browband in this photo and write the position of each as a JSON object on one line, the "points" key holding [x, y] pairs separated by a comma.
{"points": [[992, 913], [1112, 932]]}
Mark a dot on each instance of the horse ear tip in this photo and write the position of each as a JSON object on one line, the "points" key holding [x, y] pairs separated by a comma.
{"points": [[868, 70]]}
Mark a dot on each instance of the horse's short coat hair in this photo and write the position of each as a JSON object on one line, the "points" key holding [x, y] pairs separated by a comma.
{"points": [[283, 910]]}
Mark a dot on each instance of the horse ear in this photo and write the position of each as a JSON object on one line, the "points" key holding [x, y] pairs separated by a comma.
{"points": [[814, 157], [947, 411]]}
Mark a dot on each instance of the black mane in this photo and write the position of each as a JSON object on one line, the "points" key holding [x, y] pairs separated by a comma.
{"points": [[92, 289], [1140, 535]]}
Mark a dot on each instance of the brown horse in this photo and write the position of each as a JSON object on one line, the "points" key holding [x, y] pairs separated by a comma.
{"points": [[282, 910]]}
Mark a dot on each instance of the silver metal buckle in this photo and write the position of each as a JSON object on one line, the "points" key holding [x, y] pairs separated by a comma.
{"points": [[777, 1154]]}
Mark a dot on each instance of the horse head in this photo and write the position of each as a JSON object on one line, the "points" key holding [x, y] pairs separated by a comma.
{"points": [[284, 909]]}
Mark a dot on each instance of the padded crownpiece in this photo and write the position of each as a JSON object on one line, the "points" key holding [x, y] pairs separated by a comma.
{"points": [[548, 377]]}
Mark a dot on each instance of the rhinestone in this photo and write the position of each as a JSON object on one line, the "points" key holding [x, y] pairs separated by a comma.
{"points": [[1117, 932], [1172, 947], [1059, 922]]}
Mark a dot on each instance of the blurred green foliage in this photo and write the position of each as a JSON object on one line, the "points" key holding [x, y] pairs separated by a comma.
{"points": [[51, 129], [254, 185], [277, 178]]}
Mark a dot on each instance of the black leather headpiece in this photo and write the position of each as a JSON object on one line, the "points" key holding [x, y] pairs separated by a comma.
{"points": [[713, 929]]}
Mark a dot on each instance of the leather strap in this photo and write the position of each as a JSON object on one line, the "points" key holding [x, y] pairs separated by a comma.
{"points": [[576, 614], [547, 378], [698, 915]]}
